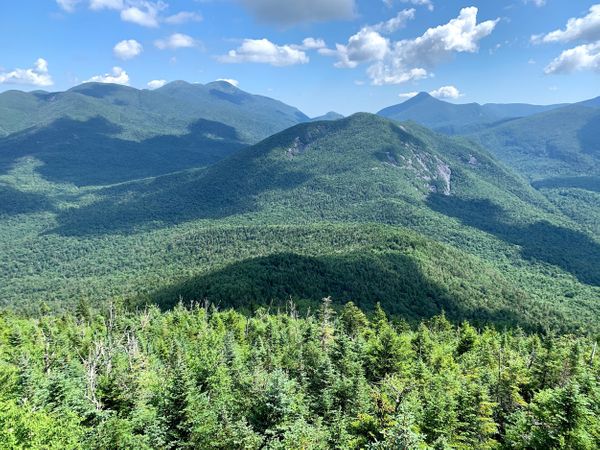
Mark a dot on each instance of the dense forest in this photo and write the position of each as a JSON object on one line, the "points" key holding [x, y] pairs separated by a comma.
{"points": [[475, 294], [201, 378], [351, 208]]}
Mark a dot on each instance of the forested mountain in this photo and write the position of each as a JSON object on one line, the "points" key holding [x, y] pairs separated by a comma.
{"points": [[99, 133], [332, 379], [450, 118], [294, 216], [562, 142], [559, 152]]}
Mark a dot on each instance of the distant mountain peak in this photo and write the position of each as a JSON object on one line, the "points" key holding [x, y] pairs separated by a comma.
{"points": [[331, 115], [422, 96]]}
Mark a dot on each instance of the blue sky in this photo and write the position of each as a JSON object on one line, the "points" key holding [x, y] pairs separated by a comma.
{"points": [[318, 55]]}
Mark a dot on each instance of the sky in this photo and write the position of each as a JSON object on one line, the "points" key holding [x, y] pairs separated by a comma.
{"points": [[317, 55]]}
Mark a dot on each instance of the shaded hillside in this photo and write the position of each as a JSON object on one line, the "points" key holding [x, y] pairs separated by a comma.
{"points": [[193, 233], [254, 117], [105, 133], [93, 153], [563, 142]]}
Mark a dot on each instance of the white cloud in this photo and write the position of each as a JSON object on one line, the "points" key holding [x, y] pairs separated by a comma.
{"points": [[231, 81], [106, 4], [36, 76], [117, 76], [146, 13], [395, 23], [411, 59], [310, 44], [127, 49], [175, 41], [183, 17], [155, 84], [382, 74], [538, 3], [142, 12], [366, 45], [585, 28], [140, 17], [446, 92], [264, 51], [582, 57], [408, 95], [289, 12]]}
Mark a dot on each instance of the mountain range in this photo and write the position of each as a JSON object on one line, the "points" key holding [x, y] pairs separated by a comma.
{"points": [[160, 196], [123, 133], [538, 141], [451, 118]]}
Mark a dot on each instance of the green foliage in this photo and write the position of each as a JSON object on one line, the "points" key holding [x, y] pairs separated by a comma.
{"points": [[97, 134], [201, 378], [562, 142], [302, 215]]}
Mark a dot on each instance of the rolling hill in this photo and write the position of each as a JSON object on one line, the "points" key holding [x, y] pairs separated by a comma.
{"points": [[323, 208]]}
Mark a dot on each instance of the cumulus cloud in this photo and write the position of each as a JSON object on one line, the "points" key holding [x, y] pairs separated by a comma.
{"points": [[146, 16], [366, 45], [395, 23], [310, 44], [299, 11], [183, 17], [67, 5], [155, 84], [175, 41], [117, 76], [231, 81], [141, 12], [36, 76], [266, 52], [446, 92], [146, 13], [582, 57], [411, 59], [585, 28], [127, 49]]}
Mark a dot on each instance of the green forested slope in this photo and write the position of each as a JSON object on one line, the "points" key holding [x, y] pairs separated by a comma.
{"points": [[104, 133], [561, 143], [295, 217], [333, 379]]}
